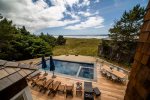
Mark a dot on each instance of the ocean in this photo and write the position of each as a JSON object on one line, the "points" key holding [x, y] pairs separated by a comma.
{"points": [[84, 36]]}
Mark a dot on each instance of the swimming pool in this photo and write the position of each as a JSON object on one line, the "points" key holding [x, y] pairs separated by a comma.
{"points": [[77, 69]]}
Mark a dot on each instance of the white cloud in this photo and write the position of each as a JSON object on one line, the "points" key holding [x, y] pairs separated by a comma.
{"points": [[86, 14], [99, 26], [40, 25], [36, 15], [39, 15], [94, 22], [84, 3], [64, 2], [72, 15], [71, 2]]}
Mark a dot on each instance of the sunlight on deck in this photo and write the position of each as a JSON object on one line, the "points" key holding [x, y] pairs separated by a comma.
{"points": [[109, 90]]}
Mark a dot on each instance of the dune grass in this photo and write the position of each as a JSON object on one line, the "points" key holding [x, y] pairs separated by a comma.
{"points": [[74, 46], [87, 47]]}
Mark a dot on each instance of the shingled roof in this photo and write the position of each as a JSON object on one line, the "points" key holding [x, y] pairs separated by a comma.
{"points": [[11, 72]]}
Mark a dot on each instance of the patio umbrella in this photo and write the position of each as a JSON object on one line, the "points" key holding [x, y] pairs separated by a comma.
{"points": [[44, 63], [52, 66]]}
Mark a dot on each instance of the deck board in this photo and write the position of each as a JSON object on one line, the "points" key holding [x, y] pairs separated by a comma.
{"points": [[109, 90]]}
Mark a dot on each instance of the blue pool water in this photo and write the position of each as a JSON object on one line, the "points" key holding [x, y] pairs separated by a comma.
{"points": [[84, 70]]}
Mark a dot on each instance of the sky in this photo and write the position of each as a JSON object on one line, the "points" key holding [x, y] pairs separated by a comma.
{"points": [[66, 17]]}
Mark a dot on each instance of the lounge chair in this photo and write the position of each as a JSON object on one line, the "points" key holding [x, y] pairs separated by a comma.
{"points": [[122, 80], [96, 91], [103, 72], [88, 91], [120, 70], [108, 75], [41, 82], [33, 75], [34, 81], [114, 78], [45, 86], [115, 68], [69, 90], [54, 87], [61, 88]]}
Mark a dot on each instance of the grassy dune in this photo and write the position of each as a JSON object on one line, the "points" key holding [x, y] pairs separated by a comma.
{"points": [[75, 46], [87, 47]]}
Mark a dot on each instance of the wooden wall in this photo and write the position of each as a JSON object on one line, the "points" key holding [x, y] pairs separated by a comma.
{"points": [[139, 84]]}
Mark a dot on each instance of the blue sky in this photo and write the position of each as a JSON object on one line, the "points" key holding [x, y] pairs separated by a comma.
{"points": [[66, 17]]}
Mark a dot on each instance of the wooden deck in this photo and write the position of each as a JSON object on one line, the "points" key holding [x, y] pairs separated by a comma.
{"points": [[109, 90]]}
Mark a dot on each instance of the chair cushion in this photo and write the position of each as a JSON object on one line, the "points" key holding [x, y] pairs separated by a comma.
{"points": [[96, 91]]}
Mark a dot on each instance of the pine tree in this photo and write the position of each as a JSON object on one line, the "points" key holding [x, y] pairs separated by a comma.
{"points": [[126, 31], [127, 28]]}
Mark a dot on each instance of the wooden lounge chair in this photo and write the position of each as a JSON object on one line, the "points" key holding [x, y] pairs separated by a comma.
{"points": [[61, 88], [34, 81], [88, 91], [103, 72], [114, 78], [108, 75], [41, 82], [122, 80], [54, 87], [33, 76], [69, 90], [115, 68], [96, 91], [45, 86]]}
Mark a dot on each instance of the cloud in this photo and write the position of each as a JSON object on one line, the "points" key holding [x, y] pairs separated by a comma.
{"points": [[85, 2], [86, 14], [40, 14], [35, 15], [99, 26], [73, 15], [71, 2], [94, 22], [54, 23]]}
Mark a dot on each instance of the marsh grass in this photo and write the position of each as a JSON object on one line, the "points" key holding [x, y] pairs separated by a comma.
{"points": [[76, 46]]}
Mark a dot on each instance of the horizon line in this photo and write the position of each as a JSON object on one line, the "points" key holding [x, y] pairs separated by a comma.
{"points": [[84, 35]]}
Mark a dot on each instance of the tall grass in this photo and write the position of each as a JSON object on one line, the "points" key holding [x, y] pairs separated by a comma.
{"points": [[88, 47]]}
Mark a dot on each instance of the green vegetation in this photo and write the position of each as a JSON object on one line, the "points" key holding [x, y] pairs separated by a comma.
{"points": [[75, 46], [20, 44], [51, 40], [126, 29], [124, 35], [61, 40]]}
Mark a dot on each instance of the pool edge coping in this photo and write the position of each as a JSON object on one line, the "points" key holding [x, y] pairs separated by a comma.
{"points": [[76, 77]]}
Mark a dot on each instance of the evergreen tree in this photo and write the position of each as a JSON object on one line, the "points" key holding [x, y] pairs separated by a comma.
{"points": [[24, 31], [51, 40], [7, 30], [126, 31], [19, 44], [127, 28], [61, 40]]}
